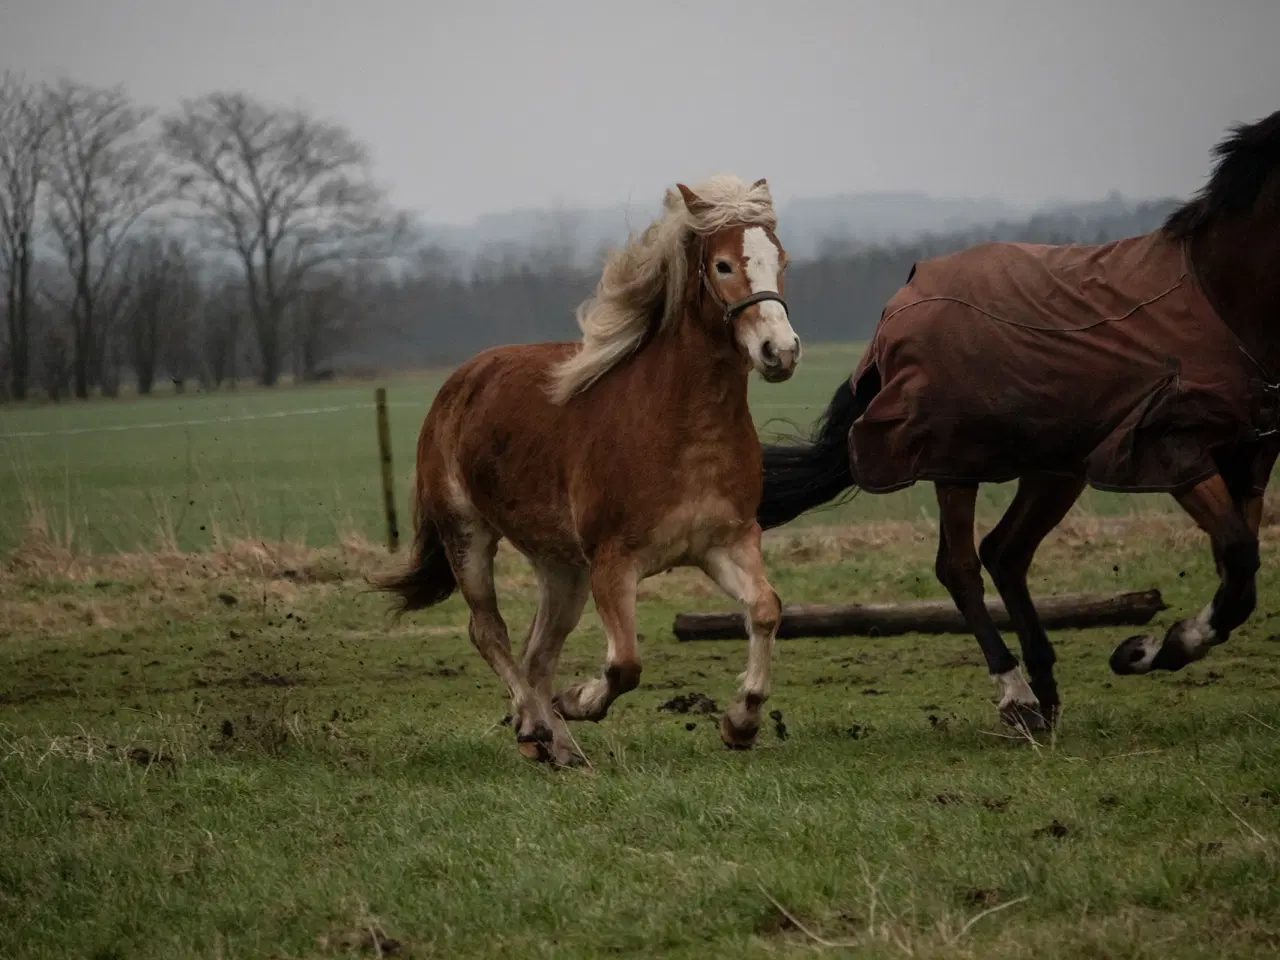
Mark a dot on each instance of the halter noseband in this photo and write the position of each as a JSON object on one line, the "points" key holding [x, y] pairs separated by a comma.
{"points": [[731, 310]]}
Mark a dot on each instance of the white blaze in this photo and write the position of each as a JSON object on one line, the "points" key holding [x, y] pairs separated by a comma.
{"points": [[761, 255]]}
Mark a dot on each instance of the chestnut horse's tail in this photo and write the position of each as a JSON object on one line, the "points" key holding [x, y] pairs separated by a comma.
{"points": [[799, 477], [429, 579]]}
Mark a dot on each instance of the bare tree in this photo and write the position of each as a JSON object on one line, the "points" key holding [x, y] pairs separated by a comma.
{"points": [[180, 350], [221, 321], [321, 323], [285, 194], [163, 298], [340, 308], [104, 176], [24, 141], [53, 360]]}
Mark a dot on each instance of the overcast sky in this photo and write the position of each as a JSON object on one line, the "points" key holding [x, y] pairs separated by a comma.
{"points": [[473, 106]]}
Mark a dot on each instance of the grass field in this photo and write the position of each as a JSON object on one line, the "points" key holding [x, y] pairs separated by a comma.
{"points": [[235, 753], [298, 464]]}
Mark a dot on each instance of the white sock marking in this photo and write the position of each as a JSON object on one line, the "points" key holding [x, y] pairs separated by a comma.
{"points": [[1198, 634], [1014, 689]]}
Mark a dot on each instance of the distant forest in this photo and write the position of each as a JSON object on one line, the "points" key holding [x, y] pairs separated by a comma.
{"points": [[231, 238], [439, 314]]}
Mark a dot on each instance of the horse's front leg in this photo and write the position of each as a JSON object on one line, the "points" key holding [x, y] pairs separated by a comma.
{"points": [[739, 570], [1232, 529]]}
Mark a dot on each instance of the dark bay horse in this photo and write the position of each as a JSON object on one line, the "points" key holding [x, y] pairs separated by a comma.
{"points": [[1147, 364], [612, 459]]}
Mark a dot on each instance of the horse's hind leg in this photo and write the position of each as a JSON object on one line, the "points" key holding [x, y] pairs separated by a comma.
{"points": [[1039, 505], [1235, 548], [562, 595], [739, 571], [471, 548], [613, 585], [960, 571]]}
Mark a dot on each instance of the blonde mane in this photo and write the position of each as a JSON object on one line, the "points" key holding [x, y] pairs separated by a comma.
{"points": [[646, 278]]}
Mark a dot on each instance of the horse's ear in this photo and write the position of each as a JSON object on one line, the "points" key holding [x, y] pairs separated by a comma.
{"points": [[762, 182], [694, 203]]}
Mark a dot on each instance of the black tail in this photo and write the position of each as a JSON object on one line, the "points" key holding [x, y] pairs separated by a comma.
{"points": [[429, 579], [799, 477]]}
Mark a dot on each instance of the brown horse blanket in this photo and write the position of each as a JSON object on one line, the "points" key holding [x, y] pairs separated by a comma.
{"points": [[1010, 358]]}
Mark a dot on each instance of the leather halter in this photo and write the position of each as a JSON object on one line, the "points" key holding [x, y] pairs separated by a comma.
{"points": [[731, 310]]}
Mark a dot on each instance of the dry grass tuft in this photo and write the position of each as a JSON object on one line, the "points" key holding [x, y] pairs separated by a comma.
{"points": [[84, 747], [43, 556], [43, 549], [48, 553]]}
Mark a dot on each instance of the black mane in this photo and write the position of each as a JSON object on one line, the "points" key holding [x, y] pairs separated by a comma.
{"points": [[1245, 161]]}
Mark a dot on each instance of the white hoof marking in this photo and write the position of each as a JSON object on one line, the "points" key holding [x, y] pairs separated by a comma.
{"points": [[1013, 688]]}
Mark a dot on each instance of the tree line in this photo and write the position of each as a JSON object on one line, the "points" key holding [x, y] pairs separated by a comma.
{"points": [[442, 310], [176, 244], [231, 238]]}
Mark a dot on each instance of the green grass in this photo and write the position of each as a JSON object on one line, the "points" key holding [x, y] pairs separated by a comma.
{"points": [[241, 756], [302, 463], [235, 753]]}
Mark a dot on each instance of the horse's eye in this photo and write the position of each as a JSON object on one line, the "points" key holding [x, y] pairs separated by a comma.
{"points": [[723, 266]]}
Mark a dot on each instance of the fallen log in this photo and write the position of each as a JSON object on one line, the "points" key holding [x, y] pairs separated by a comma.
{"points": [[1066, 611]]}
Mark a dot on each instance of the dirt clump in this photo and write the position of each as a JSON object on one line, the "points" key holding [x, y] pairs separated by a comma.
{"points": [[1055, 829], [690, 703]]}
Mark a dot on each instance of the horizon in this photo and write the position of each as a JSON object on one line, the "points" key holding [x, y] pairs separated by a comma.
{"points": [[1028, 209]]}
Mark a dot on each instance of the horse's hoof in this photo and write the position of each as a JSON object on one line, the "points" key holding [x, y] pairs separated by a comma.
{"points": [[533, 739], [1026, 716], [567, 759], [1135, 655], [1050, 705], [533, 731], [738, 736], [1051, 712], [568, 703], [534, 750]]}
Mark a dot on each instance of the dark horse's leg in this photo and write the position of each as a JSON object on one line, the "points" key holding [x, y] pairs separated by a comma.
{"points": [[960, 571], [1039, 505], [1235, 548]]}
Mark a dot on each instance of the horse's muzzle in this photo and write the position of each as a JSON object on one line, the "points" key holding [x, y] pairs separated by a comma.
{"points": [[778, 365]]}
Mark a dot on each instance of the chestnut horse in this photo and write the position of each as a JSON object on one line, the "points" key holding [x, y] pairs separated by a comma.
{"points": [[610, 460], [1147, 364]]}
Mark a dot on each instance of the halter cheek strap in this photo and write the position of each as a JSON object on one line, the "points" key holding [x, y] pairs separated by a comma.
{"points": [[731, 310]]}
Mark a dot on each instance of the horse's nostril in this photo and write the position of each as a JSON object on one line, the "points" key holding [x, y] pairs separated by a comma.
{"points": [[768, 352]]}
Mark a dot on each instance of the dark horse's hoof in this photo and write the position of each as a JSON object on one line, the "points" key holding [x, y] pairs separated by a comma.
{"points": [[1134, 655], [1049, 713], [1050, 704], [1026, 716]]}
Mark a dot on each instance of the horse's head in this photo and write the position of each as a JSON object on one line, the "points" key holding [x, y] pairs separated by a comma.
{"points": [[740, 267]]}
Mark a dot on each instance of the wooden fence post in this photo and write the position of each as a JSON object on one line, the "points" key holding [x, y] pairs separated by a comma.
{"points": [[388, 485]]}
